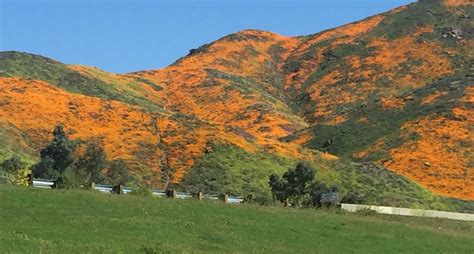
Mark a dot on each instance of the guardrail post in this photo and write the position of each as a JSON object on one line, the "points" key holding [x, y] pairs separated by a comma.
{"points": [[92, 185], [170, 193], [58, 183], [224, 198], [248, 198], [118, 189], [30, 179], [198, 195]]}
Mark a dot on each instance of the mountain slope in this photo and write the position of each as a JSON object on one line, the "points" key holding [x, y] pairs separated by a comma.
{"points": [[233, 81], [395, 89], [148, 138]]}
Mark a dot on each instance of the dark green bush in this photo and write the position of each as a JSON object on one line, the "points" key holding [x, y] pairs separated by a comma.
{"points": [[142, 192]]}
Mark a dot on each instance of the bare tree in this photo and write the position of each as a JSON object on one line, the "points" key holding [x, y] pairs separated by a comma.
{"points": [[166, 170]]}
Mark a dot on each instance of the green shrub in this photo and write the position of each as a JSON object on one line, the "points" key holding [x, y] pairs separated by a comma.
{"points": [[142, 192], [71, 179], [13, 171], [117, 173]]}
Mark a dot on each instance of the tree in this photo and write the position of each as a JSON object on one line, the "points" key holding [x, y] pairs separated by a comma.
{"points": [[91, 163], [117, 172], [295, 185], [316, 190], [207, 177], [44, 169], [57, 156], [166, 170], [278, 188]]}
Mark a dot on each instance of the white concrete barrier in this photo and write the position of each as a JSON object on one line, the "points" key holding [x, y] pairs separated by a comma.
{"points": [[409, 212]]}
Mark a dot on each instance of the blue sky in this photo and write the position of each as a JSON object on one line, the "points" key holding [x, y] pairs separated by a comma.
{"points": [[125, 36]]}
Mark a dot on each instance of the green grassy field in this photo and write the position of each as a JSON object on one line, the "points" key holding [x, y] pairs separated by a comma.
{"points": [[51, 221]]}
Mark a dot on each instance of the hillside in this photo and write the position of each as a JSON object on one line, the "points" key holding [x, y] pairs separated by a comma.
{"points": [[395, 89], [37, 220]]}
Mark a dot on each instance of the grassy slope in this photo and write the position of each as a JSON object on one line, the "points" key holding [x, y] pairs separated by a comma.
{"points": [[12, 143], [233, 170], [35, 220]]}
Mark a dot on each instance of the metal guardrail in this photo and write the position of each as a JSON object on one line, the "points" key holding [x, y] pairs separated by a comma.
{"points": [[48, 184]]}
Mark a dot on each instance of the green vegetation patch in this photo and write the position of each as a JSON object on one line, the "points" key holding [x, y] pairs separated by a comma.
{"points": [[238, 37], [13, 142], [374, 184], [229, 169]]}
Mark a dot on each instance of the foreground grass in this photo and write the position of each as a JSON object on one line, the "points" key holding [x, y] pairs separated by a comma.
{"points": [[36, 220]]}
